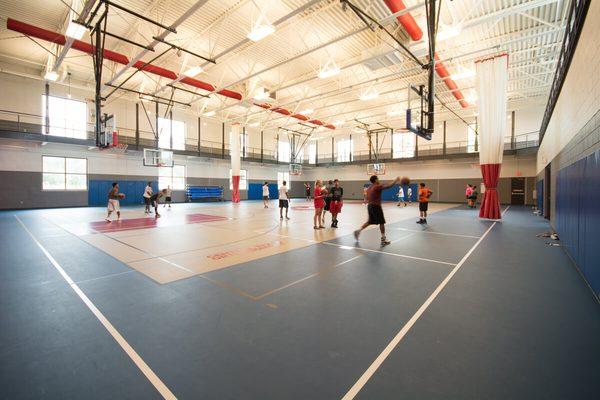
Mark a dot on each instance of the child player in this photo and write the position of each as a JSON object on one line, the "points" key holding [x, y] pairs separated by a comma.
{"points": [[424, 195], [335, 207]]}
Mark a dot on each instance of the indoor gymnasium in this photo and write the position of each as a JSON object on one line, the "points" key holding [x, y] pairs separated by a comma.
{"points": [[299, 199]]}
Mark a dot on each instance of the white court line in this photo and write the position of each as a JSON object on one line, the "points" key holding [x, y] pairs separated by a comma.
{"points": [[388, 253], [362, 381], [139, 362], [435, 233]]}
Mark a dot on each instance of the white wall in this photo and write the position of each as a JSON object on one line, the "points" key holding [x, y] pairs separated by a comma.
{"points": [[580, 95]]}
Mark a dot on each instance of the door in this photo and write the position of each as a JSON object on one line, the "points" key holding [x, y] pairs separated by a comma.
{"points": [[517, 191]]}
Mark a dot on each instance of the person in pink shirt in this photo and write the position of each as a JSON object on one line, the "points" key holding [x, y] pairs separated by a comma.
{"points": [[468, 193], [319, 203]]}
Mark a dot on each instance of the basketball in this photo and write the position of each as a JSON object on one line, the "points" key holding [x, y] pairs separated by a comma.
{"points": [[405, 180], [121, 196]]}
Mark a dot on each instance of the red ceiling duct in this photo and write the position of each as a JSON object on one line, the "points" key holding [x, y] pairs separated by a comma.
{"points": [[54, 37], [317, 122], [413, 30]]}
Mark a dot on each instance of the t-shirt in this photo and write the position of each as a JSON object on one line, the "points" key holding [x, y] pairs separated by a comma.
{"points": [[148, 192], [265, 190], [283, 193], [401, 193], [468, 191], [113, 194], [337, 193], [374, 194], [168, 194], [424, 194], [329, 189]]}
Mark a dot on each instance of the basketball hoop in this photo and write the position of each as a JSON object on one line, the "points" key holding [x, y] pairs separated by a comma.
{"points": [[376, 169], [296, 169]]}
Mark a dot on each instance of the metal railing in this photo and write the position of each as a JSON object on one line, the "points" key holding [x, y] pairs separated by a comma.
{"points": [[577, 13]]}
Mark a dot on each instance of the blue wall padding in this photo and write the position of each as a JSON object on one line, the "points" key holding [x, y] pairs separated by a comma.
{"points": [[578, 215], [391, 194], [539, 187], [133, 190], [255, 191]]}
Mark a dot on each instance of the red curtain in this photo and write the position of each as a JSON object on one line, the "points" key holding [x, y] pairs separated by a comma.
{"points": [[235, 194], [490, 207]]}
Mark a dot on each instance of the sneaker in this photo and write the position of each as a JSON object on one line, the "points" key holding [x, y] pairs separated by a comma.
{"points": [[420, 221], [425, 221], [107, 220], [287, 218], [385, 242], [356, 235]]}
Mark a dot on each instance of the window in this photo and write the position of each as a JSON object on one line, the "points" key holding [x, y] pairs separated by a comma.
{"points": [[283, 151], [171, 176], [471, 139], [404, 145], [344, 150], [243, 143], [243, 180], [284, 176], [66, 117], [60, 173], [166, 137], [312, 153]]}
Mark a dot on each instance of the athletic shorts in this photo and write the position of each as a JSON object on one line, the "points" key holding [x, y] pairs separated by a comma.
{"points": [[114, 205], [423, 205], [168, 199], [283, 203], [375, 214], [265, 197], [319, 203], [147, 201], [336, 207], [327, 203]]}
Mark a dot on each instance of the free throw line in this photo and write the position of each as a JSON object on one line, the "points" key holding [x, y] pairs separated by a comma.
{"points": [[362, 381], [135, 357]]}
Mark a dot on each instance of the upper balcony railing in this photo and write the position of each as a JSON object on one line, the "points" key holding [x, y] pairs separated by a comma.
{"points": [[31, 124]]}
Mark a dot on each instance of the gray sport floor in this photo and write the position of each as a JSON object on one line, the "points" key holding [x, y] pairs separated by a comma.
{"points": [[498, 317]]}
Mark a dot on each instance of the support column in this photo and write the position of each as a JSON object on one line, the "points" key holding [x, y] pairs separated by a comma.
{"points": [[48, 112], [513, 142], [223, 140], [332, 150], [137, 125], [199, 135], [234, 149], [171, 129], [156, 138], [351, 153], [444, 145], [416, 146], [262, 148]]}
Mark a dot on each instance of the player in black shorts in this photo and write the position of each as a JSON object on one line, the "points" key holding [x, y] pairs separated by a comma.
{"points": [[327, 199], [374, 207]]}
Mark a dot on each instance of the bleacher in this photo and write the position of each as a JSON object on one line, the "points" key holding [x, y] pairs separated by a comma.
{"points": [[204, 193]]}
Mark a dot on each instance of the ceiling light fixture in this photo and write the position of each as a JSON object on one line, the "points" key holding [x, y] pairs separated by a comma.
{"points": [[465, 73], [307, 111], [209, 114], [329, 72], [448, 32], [338, 122], [51, 76], [193, 71], [75, 30], [261, 94], [260, 31]]}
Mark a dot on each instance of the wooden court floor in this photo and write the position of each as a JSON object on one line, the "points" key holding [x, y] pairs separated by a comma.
{"points": [[224, 301]]}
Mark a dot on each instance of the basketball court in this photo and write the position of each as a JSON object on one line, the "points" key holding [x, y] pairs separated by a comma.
{"points": [[171, 174]]}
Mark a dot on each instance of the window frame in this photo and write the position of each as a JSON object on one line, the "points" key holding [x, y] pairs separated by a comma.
{"points": [[171, 144], [65, 174], [398, 149], [172, 177], [287, 180], [48, 118], [347, 153]]}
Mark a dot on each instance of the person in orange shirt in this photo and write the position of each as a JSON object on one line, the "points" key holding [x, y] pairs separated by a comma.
{"points": [[424, 195]]}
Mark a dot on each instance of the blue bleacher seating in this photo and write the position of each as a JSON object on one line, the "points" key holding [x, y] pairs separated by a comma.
{"points": [[208, 193]]}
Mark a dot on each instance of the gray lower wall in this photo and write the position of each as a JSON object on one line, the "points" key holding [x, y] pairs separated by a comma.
{"points": [[24, 190], [444, 190]]}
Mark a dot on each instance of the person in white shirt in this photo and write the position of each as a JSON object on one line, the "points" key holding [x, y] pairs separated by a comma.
{"points": [[284, 200], [401, 198], [265, 189], [168, 197], [147, 194], [409, 194]]}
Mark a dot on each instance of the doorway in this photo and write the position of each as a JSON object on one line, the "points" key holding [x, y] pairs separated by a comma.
{"points": [[517, 191]]}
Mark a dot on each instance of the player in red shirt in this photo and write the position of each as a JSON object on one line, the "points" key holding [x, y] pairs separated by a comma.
{"points": [[374, 207]]}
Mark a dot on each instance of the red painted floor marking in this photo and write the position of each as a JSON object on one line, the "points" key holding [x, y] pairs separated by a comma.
{"points": [[151, 222]]}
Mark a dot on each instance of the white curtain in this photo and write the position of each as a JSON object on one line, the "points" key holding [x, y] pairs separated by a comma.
{"points": [[492, 75]]}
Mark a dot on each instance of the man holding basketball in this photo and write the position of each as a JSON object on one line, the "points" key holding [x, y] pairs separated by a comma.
{"points": [[374, 207], [113, 202]]}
